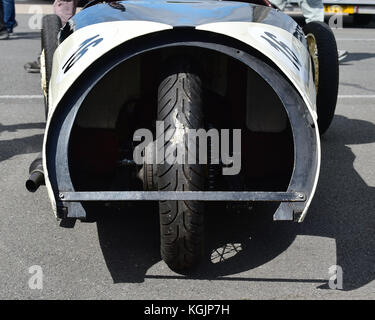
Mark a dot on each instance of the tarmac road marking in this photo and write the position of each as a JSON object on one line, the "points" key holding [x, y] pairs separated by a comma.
{"points": [[355, 96], [21, 97], [354, 39]]}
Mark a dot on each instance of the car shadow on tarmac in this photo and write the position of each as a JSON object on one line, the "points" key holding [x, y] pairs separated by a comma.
{"points": [[343, 209], [357, 56], [25, 35], [29, 144], [344, 206]]}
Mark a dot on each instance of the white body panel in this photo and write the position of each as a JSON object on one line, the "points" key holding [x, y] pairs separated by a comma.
{"points": [[113, 35], [251, 33]]}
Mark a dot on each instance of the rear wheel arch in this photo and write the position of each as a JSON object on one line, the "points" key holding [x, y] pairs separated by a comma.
{"points": [[307, 143]]}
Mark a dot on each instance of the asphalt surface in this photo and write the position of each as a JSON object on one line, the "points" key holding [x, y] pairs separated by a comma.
{"points": [[118, 256]]}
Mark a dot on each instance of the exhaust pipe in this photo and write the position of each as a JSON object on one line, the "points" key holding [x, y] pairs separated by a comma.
{"points": [[36, 178]]}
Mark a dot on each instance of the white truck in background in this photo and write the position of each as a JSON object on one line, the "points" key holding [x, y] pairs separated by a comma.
{"points": [[362, 10]]}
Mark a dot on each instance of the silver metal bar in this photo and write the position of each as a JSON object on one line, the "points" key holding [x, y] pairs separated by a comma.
{"points": [[181, 195]]}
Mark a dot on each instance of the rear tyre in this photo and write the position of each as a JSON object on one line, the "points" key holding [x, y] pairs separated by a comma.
{"points": [[323, 51], [181, 222], [51, 25]]}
